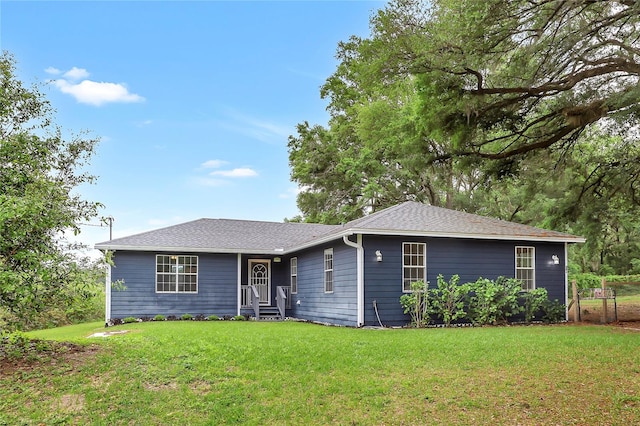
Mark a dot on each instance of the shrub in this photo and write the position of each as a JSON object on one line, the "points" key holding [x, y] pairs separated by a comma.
{"points": [[159, 318], [447, 301], [239, 318], [492, 301], [129, 320], [553, 312], [213, 318], [586, 280], [416, 304], [186, 317], [533, 302]]}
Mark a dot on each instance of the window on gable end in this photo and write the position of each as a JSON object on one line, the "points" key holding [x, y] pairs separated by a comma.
{"points": [[526, 267], [294, 275], [414, 264], [328, 270]]}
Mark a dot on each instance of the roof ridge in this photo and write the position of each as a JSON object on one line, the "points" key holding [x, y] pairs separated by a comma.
{"points": [[268, 221], [372, 216]]}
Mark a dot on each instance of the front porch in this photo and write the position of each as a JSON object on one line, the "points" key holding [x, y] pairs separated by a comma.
{"points": [[252, 304]]}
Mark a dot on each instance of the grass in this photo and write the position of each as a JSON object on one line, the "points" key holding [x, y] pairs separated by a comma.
{"points": [[200, 373]]}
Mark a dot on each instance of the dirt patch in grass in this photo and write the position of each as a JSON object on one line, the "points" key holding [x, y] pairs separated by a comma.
{"points": [[40, 354], [69, 403]]}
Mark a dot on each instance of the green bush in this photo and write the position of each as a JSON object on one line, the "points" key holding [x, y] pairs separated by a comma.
{"points": [[534, 300], [159, 318], [213, 318], [490, 301], [416, 304], [447, 301], [553, 312], [186, 317], [586, 280], [129, 320], [239, 318]]}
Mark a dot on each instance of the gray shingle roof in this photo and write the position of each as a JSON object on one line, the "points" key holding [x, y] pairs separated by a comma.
{"points": [[223, 235], [409, 218], [416, 217]]}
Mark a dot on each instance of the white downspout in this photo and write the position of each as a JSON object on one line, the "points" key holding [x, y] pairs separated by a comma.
{"points": [[359, 276], [107, 296], [239, 275], [566, 282]]}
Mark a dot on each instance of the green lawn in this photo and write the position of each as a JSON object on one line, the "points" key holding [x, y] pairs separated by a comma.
{"points": [[294, 373]]}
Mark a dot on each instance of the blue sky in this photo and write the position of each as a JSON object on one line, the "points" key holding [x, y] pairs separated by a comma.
{"points": [[193, 101]]}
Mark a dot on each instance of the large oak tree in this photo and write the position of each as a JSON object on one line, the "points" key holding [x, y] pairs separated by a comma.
{"points": [[524, 109]]}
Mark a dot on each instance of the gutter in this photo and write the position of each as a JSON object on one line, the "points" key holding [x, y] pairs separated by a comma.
{"points": [[359, 276]]}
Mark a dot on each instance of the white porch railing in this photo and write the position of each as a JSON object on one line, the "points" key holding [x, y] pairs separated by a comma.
{"points": [[245, 296], [250, 299], [255, 301], [281, 301], [287, 293]]}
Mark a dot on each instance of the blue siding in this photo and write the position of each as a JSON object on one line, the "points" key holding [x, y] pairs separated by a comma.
{"points": [[338, 307], [470, 259], [217, 287], [217, 278]]}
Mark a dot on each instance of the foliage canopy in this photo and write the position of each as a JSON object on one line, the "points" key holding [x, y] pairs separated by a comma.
{"points": [[39, 170], [524, 110]]}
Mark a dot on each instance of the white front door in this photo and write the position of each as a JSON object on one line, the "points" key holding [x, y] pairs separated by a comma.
{"points": [[260, 277]]}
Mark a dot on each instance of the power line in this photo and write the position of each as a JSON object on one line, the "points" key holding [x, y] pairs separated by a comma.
{"points": [[109, 219]]}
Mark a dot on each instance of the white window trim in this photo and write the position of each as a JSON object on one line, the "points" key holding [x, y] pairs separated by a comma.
{"points": [[177, 273], [328, 251], [532, 268], [424, 254], [294, 273]]}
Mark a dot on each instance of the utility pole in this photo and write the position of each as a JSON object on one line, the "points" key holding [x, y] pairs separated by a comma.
{"points": [[110, 220]]}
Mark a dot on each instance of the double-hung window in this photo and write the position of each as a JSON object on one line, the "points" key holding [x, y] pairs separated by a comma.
{"points": [[328, 270], [525, 267], [414, 264], [294, 275], [176, 274]]}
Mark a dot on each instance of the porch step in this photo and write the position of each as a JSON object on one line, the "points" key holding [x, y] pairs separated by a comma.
{"points": [[269, 313]]}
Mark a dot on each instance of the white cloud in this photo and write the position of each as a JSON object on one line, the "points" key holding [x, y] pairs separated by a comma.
{"points": [[236, 173], [76, 73], [209, 182], [213, 164], [91, 92], [97, 93]]}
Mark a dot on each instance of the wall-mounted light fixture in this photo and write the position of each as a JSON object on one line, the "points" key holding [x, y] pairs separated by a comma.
{"points": [[378, 256], [277, 259], [556, 259]]}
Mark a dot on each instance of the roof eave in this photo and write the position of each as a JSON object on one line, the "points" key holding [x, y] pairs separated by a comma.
{"points": [[506, 237], [116, 247], [347, 232]]}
